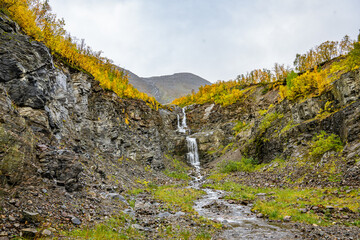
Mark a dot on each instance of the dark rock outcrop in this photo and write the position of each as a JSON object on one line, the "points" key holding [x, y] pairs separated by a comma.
{"points": [[69, 112]]}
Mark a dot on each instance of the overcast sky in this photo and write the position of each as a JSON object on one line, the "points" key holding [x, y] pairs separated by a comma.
{"points": [[215, 39]]}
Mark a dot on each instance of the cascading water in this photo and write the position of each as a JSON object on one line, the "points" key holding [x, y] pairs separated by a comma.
{"points": [[192, 155], [193, 158], [182, 127], [243, 224]]}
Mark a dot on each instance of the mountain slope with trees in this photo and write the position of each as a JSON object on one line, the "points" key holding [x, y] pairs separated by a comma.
{"points": [[79, 160]]}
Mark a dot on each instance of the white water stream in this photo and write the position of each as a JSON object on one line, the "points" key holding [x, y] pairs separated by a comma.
{"points": [[242, 222], [193, 158], [182, 127]]}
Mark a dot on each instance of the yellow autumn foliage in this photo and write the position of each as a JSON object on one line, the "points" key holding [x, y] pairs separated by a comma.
{"points": [[36, 20], [309, 81]]}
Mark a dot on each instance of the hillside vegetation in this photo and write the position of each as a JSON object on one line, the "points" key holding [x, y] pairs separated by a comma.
{"points": [[312, 75], [36, 20]]}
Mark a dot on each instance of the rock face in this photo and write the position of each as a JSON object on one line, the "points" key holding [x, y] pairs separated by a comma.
{"points": [[65, 142], [285, 130], [69, 114]]}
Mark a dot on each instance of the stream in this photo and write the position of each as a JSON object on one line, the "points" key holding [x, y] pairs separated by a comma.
{"points": [[241, 222]]}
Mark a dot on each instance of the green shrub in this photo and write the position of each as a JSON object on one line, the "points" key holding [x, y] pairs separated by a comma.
{"points": [[289, 78], [240, 126], [354, 56], [288, 126], [269, 119], [323, 143]]}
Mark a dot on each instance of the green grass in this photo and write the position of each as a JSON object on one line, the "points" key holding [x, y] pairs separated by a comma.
{"points": [[178, 197], [218, 176], [244, 165], [136, 191], [114, 228], [356, 223], [203, 236], [179, 170], [287, 202], [278, 163], [177, 175]]}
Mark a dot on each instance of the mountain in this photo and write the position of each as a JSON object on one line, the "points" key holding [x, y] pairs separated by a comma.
{"points": [[166, 88]]}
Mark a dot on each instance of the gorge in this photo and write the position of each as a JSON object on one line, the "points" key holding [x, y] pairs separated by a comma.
{"points": [[79, 162]]}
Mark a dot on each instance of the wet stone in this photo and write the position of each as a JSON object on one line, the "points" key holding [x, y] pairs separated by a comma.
{"points": [[129, 212], [178, 214], [261, 194], [139, 227], [46, 232], [31, 217], [76, 221], [118, 197], [164, 215], [330, 208], [345, 209], [42, 147], [303, 210]]}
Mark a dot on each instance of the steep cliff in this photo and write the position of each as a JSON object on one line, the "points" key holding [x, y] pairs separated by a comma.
{"points": [[66, 140], [264, 128]]}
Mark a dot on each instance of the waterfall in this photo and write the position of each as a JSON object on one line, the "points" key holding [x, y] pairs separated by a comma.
{"points": [[193, 158], [182, 125], [184, 119], [193, 155]]}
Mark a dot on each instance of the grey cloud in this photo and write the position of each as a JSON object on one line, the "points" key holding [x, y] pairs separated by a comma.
{"points": [[214, 39]]}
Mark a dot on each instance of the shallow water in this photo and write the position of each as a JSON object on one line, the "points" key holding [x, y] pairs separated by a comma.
{"points": [[242, 223]]}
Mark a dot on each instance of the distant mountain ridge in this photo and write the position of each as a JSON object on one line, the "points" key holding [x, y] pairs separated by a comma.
{"points": [[168, 87]]}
